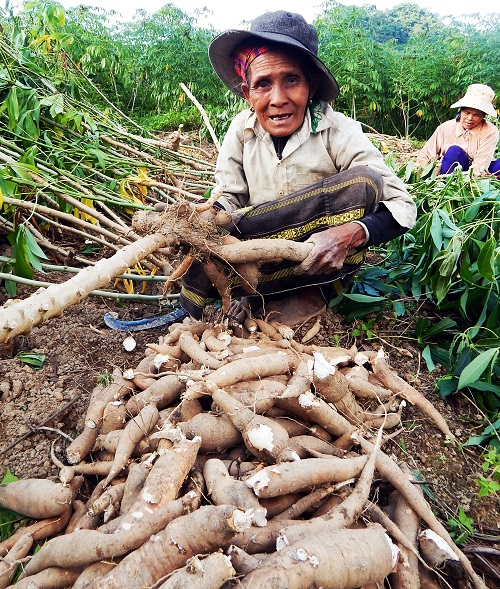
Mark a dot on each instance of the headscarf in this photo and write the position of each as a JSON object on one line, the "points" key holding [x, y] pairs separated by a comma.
{"points": [[243, 56]]}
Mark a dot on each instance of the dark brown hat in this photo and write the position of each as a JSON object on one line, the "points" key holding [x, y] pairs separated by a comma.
{"points": [[281, 27]]}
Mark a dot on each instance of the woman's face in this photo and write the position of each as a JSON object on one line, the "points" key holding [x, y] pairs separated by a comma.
{"points": [[278, 91], [470, 117]]}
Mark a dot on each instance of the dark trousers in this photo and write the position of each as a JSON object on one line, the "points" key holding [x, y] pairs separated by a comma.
{"points": [[456, 156], [336, 200]]}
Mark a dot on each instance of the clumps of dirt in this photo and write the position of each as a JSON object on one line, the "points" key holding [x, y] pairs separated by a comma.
{"points": [[79, 350]]}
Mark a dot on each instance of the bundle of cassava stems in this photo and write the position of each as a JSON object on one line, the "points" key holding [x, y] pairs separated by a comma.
{"points": [[231, 458]]}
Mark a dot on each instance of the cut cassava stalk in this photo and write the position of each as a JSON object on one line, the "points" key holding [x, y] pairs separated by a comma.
{"points": [[21, 316], [120, 238]]}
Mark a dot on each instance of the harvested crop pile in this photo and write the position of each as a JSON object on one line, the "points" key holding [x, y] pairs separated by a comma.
{"points": [[235, 457]]}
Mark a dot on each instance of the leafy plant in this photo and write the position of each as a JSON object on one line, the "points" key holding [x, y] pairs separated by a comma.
{"points": [[26, 252], [365, 329], [490, 483], [32, 358], [461, 527], [105, 378]]}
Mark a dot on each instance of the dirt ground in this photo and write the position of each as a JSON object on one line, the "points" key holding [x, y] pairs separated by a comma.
{"points": [[45, 407]]}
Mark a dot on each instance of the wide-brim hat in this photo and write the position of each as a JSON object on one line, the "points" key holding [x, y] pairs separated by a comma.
{"points": [[282, 27], [478, 96]]}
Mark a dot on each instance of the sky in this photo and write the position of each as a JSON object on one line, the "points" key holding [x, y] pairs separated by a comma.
{"points": [[227, 14]]}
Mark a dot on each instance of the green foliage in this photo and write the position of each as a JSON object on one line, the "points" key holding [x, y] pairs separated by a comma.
{"points": [[450, 257], [349, 49], [187, 116], [105, 378], [489, 483], [392, 77], [400, 69], [141, 64], [450, 260], [489, 436], [32, 358], [26, 252], [461, 527], [365, 329]]}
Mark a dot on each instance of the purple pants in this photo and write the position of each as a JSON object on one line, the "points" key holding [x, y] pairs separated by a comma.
{"points": [[456, 156]]}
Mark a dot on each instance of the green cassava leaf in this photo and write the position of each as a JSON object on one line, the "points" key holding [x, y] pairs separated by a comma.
{"points": [[473, 371], [486, 259]]}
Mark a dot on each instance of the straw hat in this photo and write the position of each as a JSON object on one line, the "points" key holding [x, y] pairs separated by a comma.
{"points": [[281, 27], [478, 96]]}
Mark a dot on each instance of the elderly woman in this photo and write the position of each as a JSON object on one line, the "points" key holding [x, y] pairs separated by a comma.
{"points": [[293, 168], [468, 140]]}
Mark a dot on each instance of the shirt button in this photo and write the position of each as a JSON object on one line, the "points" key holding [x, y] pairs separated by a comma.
{"points": [[278, 164], [281, 193]]}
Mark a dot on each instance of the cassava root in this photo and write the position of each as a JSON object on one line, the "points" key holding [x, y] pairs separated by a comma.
{"points": [[258, 492]]}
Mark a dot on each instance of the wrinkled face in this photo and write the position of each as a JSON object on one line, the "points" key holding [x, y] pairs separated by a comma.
{"points": [[470, 117], [279, 92]]}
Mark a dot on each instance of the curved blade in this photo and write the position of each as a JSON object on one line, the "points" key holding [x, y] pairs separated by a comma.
{"points": [[141, 324]]}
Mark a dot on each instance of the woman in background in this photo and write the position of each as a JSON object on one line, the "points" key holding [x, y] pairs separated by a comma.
{"points": [[468, 140]]}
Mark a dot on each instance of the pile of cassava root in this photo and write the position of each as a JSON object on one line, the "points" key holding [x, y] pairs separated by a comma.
{"points": [[231, 458]]}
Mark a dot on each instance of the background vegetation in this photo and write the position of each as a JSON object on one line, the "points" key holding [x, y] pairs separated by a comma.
{"points": [[399, 69]]}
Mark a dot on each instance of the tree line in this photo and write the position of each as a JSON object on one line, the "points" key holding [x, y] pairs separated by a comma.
{"points": [[398, 69]]}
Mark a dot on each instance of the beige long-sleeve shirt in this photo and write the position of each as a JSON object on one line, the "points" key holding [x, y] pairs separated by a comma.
{"points": [[251, 172], [478, 143]]}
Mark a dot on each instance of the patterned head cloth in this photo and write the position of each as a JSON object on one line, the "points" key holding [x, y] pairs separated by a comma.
{"points": [[243, 56]]}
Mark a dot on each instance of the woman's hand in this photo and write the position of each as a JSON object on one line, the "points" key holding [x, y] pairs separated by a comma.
{"points": [[331, 247]]}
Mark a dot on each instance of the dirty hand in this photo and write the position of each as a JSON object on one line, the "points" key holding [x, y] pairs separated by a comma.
{"points": [[330, 248]]}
